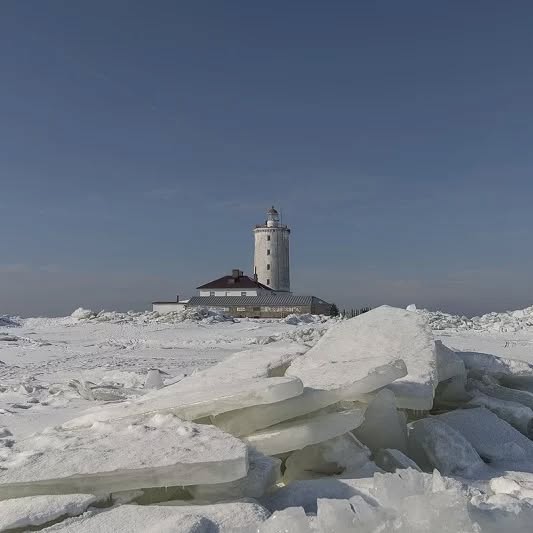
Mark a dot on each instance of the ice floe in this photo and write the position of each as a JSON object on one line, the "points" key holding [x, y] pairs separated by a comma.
{"points": [[145, 451], [33, 511], [335, 432]]}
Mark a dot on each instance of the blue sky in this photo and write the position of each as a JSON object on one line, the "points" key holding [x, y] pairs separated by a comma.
{"points": [[140, 142]]}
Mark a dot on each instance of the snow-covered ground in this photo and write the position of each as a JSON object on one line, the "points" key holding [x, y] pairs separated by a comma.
{"points": [[46, 362], [72, 388]]}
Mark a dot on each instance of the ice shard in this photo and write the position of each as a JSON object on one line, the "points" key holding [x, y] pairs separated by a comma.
{"points": [[263, 473], [384, 426], [449, 364], [518, 415], [392, 460], [145, 451], [370, 351], [493, 438], [192, 399], [331, 457], [34, 511], [248, 420], [296, 434], [434, 444]]}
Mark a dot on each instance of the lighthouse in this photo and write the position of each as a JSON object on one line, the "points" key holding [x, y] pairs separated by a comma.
{"points": [[271, 256]]}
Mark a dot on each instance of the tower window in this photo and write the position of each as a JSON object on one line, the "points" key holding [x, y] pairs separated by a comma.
{"points": [[268, 266], [268, 237], [268, 281], [268, 252]]}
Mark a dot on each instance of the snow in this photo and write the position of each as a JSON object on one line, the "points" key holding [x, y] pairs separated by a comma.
{"points": [[109, 457], [171, 518], [39, 510], [507, 322], [298, 389]]}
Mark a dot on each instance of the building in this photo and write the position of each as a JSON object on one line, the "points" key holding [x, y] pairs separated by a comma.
{"points": [[235, 285], [273, 305], [266, 294], [168, 307], [271, 255]]}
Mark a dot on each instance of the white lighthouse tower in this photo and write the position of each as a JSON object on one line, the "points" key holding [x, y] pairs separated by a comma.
{"points": [[271, 257]]}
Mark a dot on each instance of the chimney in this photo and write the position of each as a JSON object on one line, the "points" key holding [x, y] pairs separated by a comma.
{"points": [[177, 297], [255, 276], [236, 273]]}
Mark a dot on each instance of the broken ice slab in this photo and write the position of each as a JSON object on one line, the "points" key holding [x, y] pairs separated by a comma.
{"points": [[498, 513], [154, 379], [292, 519], [423, 503], [263, 473], [248, 420], [490, 388], [517, 484], [452, 393], [335, 515], [331, 457], [168, 519], [493, 438], [34, 511], [261, 361], [392, 460], [296, 434], [516, 414], [145, 451], [372, 349], [449, 364], [434, 444], [384, 426], [226, 516], [306, 493], [347, 516], [481, 364], [192, 399]]}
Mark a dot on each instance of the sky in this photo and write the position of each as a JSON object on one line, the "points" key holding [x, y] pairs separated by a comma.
{"points": [[141, 141]]}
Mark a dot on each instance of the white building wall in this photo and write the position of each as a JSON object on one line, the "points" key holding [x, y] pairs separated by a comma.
{"points": [[168, 307], [271, 257], [248, 292]]}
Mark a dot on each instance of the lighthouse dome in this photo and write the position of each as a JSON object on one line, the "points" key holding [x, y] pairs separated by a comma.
{"points": [[272, 218]]}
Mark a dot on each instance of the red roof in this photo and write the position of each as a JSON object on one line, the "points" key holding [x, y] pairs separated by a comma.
{"points": [[231, 282]]}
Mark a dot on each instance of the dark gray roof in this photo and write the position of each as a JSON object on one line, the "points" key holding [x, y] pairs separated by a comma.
{"points": [[253, 301], [230, 282]]}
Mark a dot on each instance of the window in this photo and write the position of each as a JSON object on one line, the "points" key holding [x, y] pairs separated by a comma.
{"points": [[268, 237], [268, 252], [211, 293], [241, 308], [268, 281], [268, 266], [243, 293]]}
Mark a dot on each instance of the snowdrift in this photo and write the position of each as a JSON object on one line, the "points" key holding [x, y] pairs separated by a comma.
{"points": [[507, 322], [377, 427]]}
